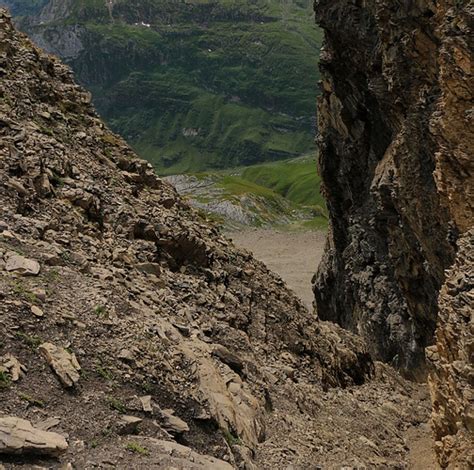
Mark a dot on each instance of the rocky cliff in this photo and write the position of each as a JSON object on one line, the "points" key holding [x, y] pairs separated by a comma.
{"points": [[396, 160], [135, 336], [452, 363]]}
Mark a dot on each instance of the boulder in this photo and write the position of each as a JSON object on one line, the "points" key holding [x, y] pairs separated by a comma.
{"points": [[21, 265], [172, 423], [18, 436], [13, 366]]}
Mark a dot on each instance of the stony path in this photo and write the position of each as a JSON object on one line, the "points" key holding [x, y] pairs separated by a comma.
{"points": [[295, 257]]}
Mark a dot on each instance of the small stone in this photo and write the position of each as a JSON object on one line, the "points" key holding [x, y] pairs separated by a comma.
{"points": [[126, 355], [62, 362], [36, 311], [40, 294], [129, 424], [172, 423], [228, 357], [146, 403], [22, 265], [8, 234], [149, 268], [48, 423], [13, 366]]}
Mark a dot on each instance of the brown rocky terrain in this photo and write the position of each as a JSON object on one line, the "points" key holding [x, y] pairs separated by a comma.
{"points": [[451, 361], [135, 336], [396, 157]]}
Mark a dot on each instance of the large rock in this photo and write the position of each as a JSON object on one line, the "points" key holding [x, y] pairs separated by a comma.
{"points": [[22, 265], [64, 363], [18, 436], [396, 140], [166, 454]]}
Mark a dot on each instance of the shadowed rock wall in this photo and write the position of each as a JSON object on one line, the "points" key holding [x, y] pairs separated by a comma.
{"points": [[396, 157], [394, 142]]}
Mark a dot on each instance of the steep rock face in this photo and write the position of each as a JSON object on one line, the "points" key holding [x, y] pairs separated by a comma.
{"points": [[452, 363], [129, 323], [396, 160]]}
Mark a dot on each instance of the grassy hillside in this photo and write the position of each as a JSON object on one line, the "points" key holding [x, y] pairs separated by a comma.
{"points": [[284, 194], [297, 180], [199, 84]]}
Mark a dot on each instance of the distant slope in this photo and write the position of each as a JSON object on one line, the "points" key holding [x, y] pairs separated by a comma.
{"points": [[281, 194], [23, 7], [297, 180], [195, 85]]}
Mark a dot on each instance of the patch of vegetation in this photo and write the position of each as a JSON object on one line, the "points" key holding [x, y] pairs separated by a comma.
{"points": [[101, 311], [20, 290], [284, 194], [32, 341], [148, 387], [296, 180], [31, 400], [136, 448], [116, 404], [53, 275], [57, 180], [5, 380], [104, 373], [230, 438]]}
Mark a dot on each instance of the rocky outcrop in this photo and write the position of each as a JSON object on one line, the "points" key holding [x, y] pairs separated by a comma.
{"points": [[396, 145], [452, 363]]}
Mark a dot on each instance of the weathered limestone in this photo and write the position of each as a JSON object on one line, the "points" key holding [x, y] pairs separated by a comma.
{"points": [[18, 436], [64, 364], [452, 364], [396, 158], [21, 265]]}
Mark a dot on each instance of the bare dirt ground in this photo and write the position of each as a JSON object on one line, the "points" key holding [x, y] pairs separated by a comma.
{"points": [[293, 255]]}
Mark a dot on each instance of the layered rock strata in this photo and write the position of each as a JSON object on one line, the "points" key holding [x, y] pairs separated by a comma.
{"points": [[452, 363]]}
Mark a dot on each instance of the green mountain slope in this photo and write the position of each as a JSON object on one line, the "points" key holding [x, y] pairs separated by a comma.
{"points": [[23, 7], [197, 84], [282, 194], [296, 180]]}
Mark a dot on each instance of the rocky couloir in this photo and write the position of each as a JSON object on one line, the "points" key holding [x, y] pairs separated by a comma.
{"points": [[134, 335]]}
